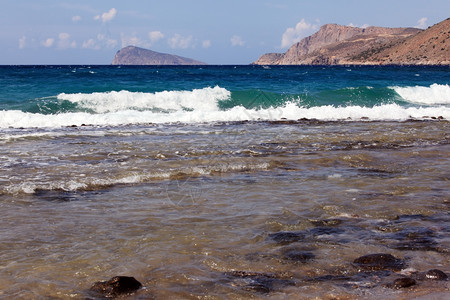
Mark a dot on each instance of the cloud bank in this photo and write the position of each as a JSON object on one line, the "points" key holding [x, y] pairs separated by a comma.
{"points": [[107, 16], [155, 36], [179, 41]]}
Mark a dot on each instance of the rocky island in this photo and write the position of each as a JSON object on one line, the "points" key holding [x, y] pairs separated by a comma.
{"points": [[132, 55], [341, 45]]}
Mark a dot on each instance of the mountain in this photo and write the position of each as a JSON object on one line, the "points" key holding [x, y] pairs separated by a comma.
{"points": [[431, 46], [339, 45], [132, 55]]}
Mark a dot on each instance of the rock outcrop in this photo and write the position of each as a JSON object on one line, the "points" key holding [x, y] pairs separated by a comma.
{"points": [[116, 286], [340, 45], [132, 55]]}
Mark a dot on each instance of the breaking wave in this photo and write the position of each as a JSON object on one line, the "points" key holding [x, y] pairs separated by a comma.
{"points": [[434, 94], [167, 101], [217, 104]]}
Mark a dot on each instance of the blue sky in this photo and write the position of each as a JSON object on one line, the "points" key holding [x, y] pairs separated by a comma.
{"points": [[215, 32]]}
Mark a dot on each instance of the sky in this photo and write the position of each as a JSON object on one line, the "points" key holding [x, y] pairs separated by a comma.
{"points": [[65, 32]]}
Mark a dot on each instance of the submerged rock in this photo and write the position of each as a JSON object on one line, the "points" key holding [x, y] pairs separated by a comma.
{"points": [[289, 237], [403, 283], [436, 274], [421, 244], [116, 286], [286, 237], [415, 238], [325, 231], [296, 255], [259, 282], [379, 261], [325, 278]]}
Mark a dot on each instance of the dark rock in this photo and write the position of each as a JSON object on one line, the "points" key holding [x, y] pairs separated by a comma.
{"points": [[118, 285], [286, 237], [379, 261], [403, 283], [436, 274], [296, 255]]}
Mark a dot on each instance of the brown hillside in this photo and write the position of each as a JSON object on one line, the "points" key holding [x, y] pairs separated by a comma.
{"points": [[339, 45], [429, 47]]}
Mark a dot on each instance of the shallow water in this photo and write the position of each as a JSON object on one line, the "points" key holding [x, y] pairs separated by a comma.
{"points": [[192, 210]]}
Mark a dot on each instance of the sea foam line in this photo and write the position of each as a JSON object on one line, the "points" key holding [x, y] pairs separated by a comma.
{"points": [[388, 112], [90, 183]]}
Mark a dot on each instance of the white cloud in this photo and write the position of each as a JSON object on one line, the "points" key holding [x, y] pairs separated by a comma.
{"points": [[357, 26], [237, 41], [64, 36], [22, 42], [155, 36], [422, 23], [64, 41], [206, 44], [76, 18], [102, 41], [178, 41], [107, 16], [131, 41], [48, 42], [293, 35], [90, 44], [106, 41]]}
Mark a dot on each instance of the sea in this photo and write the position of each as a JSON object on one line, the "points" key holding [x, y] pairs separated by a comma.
{"points": [[224, 182]]}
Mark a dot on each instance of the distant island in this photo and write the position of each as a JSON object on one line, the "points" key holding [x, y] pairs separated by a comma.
{"points": [[341, 45], [132, 55]]}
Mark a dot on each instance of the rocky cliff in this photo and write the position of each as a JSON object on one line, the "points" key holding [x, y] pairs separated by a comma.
{"points": [[132, 55], [338, 45]]}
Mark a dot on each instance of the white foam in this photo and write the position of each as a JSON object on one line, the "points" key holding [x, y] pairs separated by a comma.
{"points": [[434, 94], [83, 182], [205, 99], [388, 112]]}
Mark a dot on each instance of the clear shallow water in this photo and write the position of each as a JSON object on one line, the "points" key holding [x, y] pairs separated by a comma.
{"points": [[192, 209]]}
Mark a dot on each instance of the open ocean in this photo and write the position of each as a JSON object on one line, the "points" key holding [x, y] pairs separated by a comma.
{"points": [[220, 182]]}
